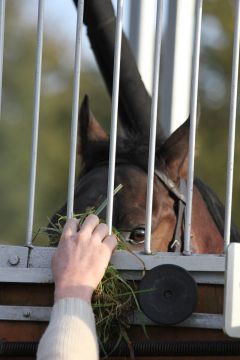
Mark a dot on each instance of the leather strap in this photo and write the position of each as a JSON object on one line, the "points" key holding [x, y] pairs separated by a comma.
{"points": [[176, 244]]}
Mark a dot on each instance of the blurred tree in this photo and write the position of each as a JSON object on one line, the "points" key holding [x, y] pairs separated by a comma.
{"points": [[214, 89]]}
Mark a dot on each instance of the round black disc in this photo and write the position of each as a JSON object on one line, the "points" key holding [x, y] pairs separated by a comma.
{"points": [[168, 294]]}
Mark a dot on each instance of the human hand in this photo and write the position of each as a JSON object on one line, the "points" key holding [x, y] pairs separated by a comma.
{"points": [[80, 261]]}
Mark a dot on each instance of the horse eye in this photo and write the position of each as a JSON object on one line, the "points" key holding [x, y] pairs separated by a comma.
{"points": [[138, 235]]}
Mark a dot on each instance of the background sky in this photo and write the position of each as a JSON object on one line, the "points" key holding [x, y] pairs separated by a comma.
{"points": [[60, 18]]}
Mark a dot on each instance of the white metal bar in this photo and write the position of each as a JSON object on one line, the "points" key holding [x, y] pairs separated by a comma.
{"points": [[75, 108], [177, 50], [153, 127], [25, 313], [232, 291], [36, 109], [2, 26], [196, 320], [43, 313], [232, 126], [114, 116], [193, 123], [141, 36]]}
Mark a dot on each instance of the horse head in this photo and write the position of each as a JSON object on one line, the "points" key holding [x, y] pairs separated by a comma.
{"points": [[171, 165]]}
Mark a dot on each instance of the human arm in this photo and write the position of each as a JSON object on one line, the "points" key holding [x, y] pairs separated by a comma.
{"points": [[78, 266]]}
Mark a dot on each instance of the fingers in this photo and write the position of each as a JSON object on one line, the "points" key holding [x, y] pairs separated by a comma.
{"points": [[70, 228], [89, 225], [100, 232], [111, 242], [90, 230]]}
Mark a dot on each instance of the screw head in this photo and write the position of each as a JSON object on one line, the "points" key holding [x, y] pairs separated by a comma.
{"points": [[26, 313], [14, 260]]}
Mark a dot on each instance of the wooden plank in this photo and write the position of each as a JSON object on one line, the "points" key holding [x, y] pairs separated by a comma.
{"points": [[26, 294]]}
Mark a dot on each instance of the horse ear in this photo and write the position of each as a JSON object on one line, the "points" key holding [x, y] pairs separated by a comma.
{"points": [[175, 152], [89, 128]]}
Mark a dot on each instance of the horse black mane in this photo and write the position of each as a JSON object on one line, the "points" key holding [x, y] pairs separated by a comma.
{"points": [[216, 209]]}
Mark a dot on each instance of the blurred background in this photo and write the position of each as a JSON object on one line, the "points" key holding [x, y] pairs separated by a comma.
{"points": [[56, 103]]}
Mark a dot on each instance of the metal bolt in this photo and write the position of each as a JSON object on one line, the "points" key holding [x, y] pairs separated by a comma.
{"points": [[26, 313], [14, 260]]}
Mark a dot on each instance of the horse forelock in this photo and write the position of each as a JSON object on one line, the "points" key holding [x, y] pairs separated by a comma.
{"points": [[133, 151]]}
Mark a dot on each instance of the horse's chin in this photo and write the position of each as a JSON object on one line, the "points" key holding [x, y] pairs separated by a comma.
{"points": [[136, 247]]}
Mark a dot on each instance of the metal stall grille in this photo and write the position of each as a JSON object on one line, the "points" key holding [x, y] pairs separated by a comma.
{"points": [[31, 264]]}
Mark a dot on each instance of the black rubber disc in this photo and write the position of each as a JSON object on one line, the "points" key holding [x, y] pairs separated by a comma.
{"points": [[168, 294]]}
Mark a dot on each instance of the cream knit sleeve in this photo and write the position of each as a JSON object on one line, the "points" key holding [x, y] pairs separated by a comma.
{"points": [[71, 333]]}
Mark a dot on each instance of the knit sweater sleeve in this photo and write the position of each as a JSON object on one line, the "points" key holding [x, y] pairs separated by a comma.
{"points": [[71, 333]]}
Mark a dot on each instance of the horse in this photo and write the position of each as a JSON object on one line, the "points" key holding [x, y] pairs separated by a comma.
{"points": [[171, 166]]}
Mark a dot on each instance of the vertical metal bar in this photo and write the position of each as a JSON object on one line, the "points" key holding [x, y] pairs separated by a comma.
{"points": [[193, 122], [36, 109], [232, 126], [177, 50], [153, 126], [141, 37], [113, 132], [2, 25], [75, 108]]}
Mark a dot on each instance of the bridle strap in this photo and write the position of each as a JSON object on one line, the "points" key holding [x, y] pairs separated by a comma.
{"points": [[179, 192], [171, 186]]}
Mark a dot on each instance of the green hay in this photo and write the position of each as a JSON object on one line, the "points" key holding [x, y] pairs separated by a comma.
{"points": [[114, 299]]}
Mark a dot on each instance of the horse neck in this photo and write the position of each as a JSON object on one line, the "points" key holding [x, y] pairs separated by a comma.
{"points": [[206, 237]]}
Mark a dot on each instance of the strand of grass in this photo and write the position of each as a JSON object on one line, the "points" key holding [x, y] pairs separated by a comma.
{"points": [[139, 259], [135, 292], [104, 203], [36, 235], [96, 306], [129, 343], [136, 302], [116, 344], [109, 316], [49, 229]]}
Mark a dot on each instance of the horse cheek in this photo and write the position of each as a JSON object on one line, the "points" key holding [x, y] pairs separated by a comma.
{"points": [[163, 234]]}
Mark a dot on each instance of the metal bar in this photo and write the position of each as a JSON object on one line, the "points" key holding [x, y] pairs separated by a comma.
{"points": [[25, 313], [113, 132], [141, 37], [43, 313], [36, 109], [232, 127], [193, 122], [75, 107], [177, 50], [153, 127], [2, 25], [196, 320]]}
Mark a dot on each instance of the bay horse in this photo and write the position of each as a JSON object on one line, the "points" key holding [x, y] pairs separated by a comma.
{"points": [[131, 171]]}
